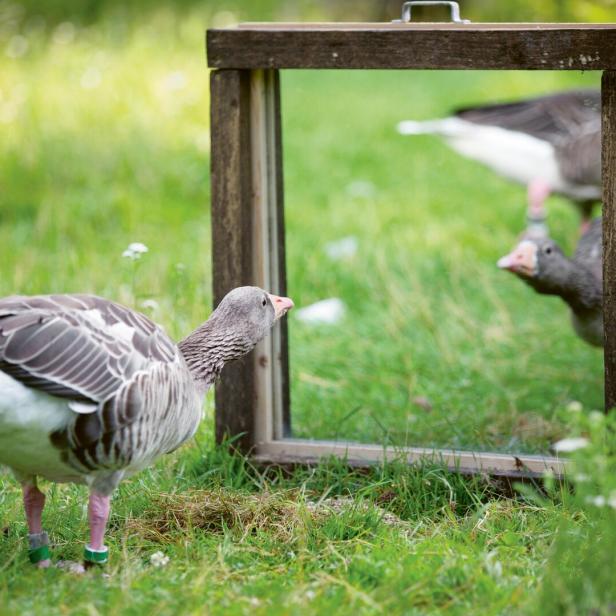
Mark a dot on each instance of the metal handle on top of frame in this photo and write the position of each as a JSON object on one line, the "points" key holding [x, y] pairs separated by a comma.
{"points": [[453, 7]]}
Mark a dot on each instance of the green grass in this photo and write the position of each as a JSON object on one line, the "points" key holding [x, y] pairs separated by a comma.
{"points": [[239, 543], [104, 140], [429, 314]]}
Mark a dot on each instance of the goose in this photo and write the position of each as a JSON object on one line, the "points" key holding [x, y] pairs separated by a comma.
{"points": [[578, 281], [549, 143], [92, 392]]}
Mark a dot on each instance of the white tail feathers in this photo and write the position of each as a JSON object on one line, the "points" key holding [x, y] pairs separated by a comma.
{"points": [[447, 127]]}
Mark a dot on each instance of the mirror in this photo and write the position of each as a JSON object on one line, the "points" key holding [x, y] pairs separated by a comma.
{"points": [[434, 346]]}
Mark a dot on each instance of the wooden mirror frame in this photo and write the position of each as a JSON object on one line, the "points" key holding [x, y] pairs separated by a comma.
{"points": [[252, 397]]}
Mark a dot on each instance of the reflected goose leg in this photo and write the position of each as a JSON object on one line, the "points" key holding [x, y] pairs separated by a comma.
{"points": [[34, 502], [586, 210], [538, 191]]}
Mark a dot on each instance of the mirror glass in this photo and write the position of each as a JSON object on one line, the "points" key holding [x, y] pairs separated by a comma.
{"points": [[422, 339]]}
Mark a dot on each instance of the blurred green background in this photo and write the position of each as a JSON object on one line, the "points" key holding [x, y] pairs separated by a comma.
{"points": [[104, 140]]}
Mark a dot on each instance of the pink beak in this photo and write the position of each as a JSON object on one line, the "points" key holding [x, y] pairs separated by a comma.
{"points": [[282, 305], [522, 260]]}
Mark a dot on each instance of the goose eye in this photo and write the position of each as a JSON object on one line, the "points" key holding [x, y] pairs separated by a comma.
{"points": [[548, 250], [264, 301]]}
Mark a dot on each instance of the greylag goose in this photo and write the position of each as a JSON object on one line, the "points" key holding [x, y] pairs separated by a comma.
{"points": [[549, 144], [578, 281], [91, 392]]}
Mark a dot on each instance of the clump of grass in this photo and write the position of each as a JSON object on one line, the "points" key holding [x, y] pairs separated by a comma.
{"points": [[283, 514], [218, 511]]}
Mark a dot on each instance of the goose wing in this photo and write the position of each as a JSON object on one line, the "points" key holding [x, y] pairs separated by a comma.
{"points": [[589, 249], [553, 118], [79, 347]]}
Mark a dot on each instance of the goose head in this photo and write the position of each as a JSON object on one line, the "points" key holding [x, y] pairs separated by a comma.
{"points": [[540, 263], [243, 318], [250, 312]]}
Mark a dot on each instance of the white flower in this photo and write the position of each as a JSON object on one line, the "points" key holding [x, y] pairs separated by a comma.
{"points": [[310, 595], [150, 304], [327, 311], [597, 501], [254, 601], [581, 477], [568, 445], [135, 250], [158, 559], [344, 248], [493, 566], [574, 406]]}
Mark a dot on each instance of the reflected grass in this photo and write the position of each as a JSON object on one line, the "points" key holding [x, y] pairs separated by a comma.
{"points": [[429, 314]]}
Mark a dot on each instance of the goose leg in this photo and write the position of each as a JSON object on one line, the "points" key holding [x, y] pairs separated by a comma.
{"points": [[586, 211], [538, 191], [34, 501], [98, 514]]}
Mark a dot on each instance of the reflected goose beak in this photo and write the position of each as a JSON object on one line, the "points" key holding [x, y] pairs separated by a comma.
{"points": [[282, 305], [521, 260]]}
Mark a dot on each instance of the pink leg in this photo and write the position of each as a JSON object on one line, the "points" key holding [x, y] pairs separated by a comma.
{"points": [[98, 514], [34, 501], [538, 192]]}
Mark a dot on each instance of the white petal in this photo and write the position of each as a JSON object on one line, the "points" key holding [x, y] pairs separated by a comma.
{"points": [[567, 445], [138, 247], [343, 248], [327, 311]]}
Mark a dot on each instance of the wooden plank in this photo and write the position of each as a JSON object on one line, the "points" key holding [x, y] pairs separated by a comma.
{"points": [[608, 104], [394, 25], [414, 46], [271, 369], [232, 238], [358, 454], [284, 382], [252, 396]]}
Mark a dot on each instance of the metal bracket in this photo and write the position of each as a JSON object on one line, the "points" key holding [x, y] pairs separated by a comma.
{"points": [[453, 7]]}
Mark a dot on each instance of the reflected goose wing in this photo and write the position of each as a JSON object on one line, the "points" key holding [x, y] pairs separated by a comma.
{"points": [[553, 118], [79, 347], [579, 158], [589, 249]]}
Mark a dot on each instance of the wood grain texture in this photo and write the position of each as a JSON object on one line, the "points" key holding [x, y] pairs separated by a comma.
{"points": [[608, 105], [232, 239], [359, 454], [282, 263], [416, 46]]}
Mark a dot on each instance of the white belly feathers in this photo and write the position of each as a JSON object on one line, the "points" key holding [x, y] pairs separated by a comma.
{"points": [[27, 418]]}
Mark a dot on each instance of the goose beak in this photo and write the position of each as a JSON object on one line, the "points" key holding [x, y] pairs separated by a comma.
{"points": [[521, 260], [282, 305]]}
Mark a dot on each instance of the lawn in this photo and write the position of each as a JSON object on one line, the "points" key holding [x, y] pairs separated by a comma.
{"points": [[104, 140]]}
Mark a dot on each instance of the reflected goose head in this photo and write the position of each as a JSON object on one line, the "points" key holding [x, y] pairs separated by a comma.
{"points": [[540, 262]]}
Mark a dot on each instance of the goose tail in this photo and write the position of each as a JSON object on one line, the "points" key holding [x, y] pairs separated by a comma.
{"points": [[451, 127]]}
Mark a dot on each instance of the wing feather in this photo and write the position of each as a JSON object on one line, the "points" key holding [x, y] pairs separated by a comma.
{"points": [[79, 347], [555, 118]]}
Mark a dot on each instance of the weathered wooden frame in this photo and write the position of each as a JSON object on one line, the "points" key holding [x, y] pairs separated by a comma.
{"points": [[252, 398]]}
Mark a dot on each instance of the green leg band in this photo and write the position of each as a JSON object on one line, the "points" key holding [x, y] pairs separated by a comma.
{"points": [[39, 554], [96, 557], [39, 547]]}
